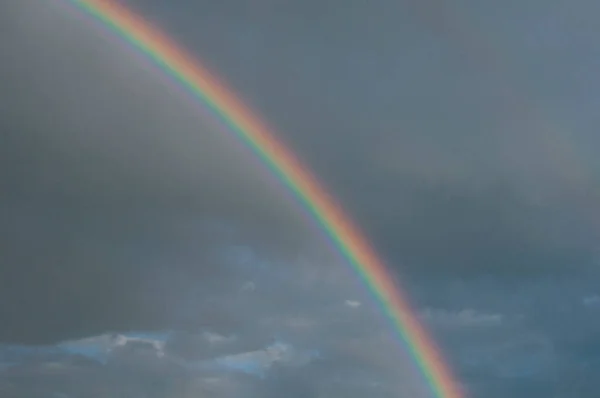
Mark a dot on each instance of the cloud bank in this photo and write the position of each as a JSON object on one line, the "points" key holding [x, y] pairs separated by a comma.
{"points": [[468, 162]]}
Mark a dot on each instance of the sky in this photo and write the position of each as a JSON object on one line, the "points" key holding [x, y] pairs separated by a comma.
{"points": [[146, 252]]}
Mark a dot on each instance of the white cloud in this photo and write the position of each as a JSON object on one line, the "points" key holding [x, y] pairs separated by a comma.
{"points": [[99, 347], [216, 338], [353, 303], [260, 361]]}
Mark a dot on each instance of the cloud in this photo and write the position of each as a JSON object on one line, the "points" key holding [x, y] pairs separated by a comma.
{"points": [[464, 318], [132, 361], [119, 183], [103, 346], [591, 301], [460, 140], [467, 173], [353, 303]]}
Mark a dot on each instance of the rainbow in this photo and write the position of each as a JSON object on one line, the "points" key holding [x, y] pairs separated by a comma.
{"points": [[286, 167]]}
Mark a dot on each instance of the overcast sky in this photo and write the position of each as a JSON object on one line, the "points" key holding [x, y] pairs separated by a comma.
{"points": [[461, 138]]}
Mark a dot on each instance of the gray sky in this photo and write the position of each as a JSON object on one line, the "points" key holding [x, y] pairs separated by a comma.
{"points": [[460, 138]]}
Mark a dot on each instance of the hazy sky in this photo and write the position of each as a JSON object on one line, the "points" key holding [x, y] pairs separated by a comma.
{"points": [[461, 138]]}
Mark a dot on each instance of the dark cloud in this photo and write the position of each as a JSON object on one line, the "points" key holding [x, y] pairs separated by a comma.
{"points": [[460, 138], [110, 183], [453, 153]]}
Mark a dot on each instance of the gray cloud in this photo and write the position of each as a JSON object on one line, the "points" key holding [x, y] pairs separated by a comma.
{"points": [[110, 182], [461, 139], [448, 136], [129, 362]]}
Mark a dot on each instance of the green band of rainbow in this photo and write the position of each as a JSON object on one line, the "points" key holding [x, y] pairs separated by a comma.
{"points": [[255, 134]]}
